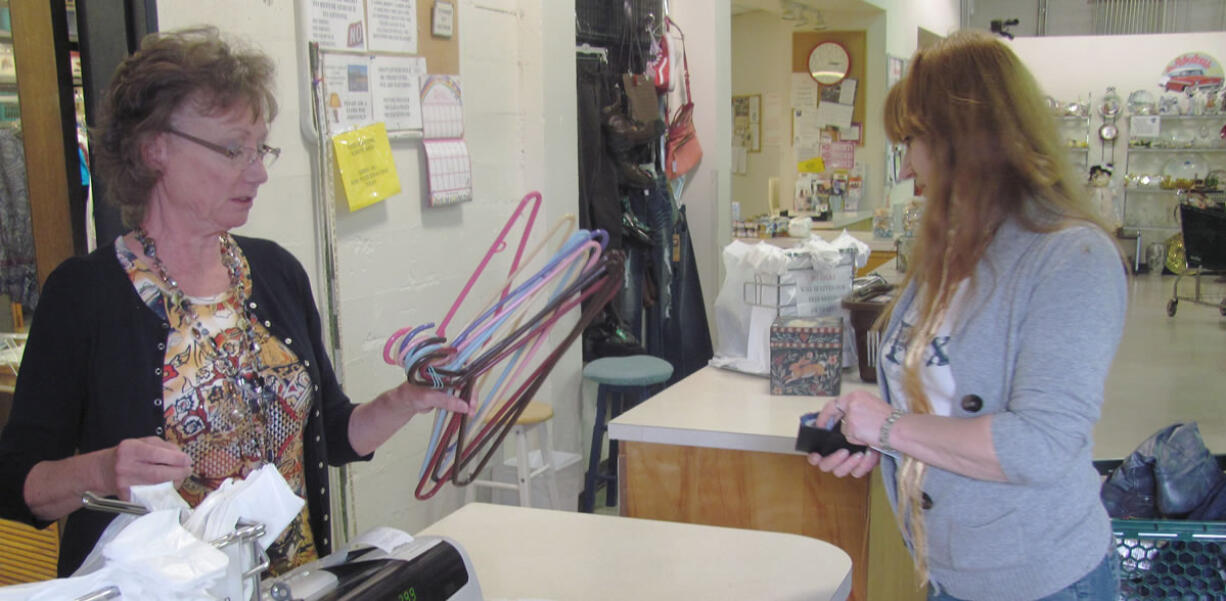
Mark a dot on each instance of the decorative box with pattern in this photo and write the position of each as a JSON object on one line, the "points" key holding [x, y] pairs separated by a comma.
{"points": [[806, 356]]}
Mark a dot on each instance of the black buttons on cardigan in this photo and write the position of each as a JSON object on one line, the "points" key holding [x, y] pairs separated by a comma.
{"points": [[972, 403], [926, 502], [252, 304], [157, 402], [157, 371], [289, 341], [158, 430], [161, 346]]}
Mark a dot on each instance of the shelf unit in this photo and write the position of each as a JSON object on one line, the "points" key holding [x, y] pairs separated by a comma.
{"points": [[1075, 132], [1150, 210]]}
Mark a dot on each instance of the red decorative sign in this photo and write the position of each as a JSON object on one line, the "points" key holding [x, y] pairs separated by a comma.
{"points": [[1190, 72]]}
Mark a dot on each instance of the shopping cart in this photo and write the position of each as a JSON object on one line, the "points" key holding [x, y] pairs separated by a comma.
{"points": [[1204, 242], [1169, 560]]}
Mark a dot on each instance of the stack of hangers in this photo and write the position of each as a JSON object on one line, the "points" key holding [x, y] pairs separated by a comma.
{"points": [[501, 357]]}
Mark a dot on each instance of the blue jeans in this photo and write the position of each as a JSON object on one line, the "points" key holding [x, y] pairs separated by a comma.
{"points": [[1101, 584]]}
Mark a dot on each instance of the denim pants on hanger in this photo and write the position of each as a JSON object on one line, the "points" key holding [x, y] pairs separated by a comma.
{"points": [[655, 209]]}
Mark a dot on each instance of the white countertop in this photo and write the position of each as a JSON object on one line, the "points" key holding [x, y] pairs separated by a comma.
{"points": [[524, 553], [722, 409]]}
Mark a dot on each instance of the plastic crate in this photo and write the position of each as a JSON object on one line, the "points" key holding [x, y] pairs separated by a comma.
{"points": [[1168, 560]]}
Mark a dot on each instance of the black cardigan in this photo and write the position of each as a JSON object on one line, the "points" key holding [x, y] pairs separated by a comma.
{"points": [[80, 387]]}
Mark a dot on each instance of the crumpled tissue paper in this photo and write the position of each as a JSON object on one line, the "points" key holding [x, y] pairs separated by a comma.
{"points": [[160, 556]]}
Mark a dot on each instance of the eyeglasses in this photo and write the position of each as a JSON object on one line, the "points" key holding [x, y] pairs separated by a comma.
{"points": [[242, 156]]}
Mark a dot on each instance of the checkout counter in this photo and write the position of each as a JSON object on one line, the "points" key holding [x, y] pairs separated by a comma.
{"points": [[717, 448], [525, 553]]}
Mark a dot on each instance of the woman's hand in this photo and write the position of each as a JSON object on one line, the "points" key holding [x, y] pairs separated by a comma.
{"points": [[421, 399], [53, 488], [373, 423], [860, 414], [842, 463], [148, 460]]}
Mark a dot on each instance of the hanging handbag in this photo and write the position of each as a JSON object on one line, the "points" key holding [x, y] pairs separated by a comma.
{"points": [[683, 151], [641, 97]]}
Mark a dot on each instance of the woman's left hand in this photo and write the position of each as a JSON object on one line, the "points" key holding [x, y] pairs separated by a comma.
{"points": [[422, 399]]}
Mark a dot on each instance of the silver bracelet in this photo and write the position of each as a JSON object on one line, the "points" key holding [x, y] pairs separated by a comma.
{"points": [[884, 438]]}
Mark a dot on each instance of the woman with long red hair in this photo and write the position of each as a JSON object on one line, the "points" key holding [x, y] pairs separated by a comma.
{"points": [[995, 353]]}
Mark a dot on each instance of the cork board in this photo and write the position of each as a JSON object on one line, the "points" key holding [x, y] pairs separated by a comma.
{"points": [[854, 41], [442, 54]]}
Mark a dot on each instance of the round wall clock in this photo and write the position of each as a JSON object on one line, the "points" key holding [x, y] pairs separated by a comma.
{"points": [[829, 63]]}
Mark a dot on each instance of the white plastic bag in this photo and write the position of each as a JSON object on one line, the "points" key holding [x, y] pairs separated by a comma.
{"points": [[762, 281]]}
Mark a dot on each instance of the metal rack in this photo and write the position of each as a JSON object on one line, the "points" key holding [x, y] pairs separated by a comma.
{"points": [[247, 558], [1149, 209]]}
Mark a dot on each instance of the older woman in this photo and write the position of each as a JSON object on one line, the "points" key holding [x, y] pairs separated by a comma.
{"points": [[995, 354], [181, 352]]}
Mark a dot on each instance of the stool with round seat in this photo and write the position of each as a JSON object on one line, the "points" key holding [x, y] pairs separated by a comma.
{"points": [[623, 382], [536, 416]]}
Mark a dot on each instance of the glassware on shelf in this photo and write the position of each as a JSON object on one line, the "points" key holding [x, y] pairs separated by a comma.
{"points": [[1142, 102], [1109, 107], [1182, 172], [1076, 109]]}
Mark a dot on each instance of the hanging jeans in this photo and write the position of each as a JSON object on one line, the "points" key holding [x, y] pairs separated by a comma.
{"points": [[686, 333], [599, 204], [655, 208]]}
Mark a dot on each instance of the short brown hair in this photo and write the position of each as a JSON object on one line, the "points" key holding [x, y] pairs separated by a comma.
{"points": [[169, 69]]}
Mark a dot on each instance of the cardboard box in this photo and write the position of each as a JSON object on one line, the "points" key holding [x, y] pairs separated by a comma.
{"points": [[806, 356]]}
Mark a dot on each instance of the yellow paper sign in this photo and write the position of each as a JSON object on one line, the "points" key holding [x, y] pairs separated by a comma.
{"points": [[813, 165], [364, 161]]}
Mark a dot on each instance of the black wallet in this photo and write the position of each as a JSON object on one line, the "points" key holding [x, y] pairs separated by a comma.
{"points": [[814, 439]]}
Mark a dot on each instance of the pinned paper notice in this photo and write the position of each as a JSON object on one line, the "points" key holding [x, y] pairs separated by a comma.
{"points": [[347, 100], [1145, 126], [397, 90], [834, 114], [393, 25], [367, 171], [813, 165]]}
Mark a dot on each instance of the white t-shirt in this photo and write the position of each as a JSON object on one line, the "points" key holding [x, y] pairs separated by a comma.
{"points": [[935, 373]]}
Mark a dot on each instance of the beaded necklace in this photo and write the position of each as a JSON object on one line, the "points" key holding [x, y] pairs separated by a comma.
{"points": [[256, 395]]}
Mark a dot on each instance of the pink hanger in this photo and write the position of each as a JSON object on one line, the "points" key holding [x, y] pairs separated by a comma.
{"points": [[498, 246]]}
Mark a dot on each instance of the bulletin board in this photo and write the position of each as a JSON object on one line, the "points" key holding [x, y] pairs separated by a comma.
{"points": [[442, 54], [349, 37], [856, 45]]}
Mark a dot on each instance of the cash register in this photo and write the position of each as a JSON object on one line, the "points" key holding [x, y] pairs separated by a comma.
{"points": [[429, 568]]}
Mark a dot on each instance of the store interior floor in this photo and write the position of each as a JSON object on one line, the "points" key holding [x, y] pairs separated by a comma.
{"points": [[1168, 368]]}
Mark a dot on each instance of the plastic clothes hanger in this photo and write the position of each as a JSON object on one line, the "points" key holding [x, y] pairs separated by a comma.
{"points": [[502, 344], [448, 373]]}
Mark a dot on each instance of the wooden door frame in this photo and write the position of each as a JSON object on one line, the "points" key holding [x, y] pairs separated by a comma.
{"points": [[44, 91]]}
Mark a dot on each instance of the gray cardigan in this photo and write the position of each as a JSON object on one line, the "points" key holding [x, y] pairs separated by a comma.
{"points": [[1031, 347]]}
